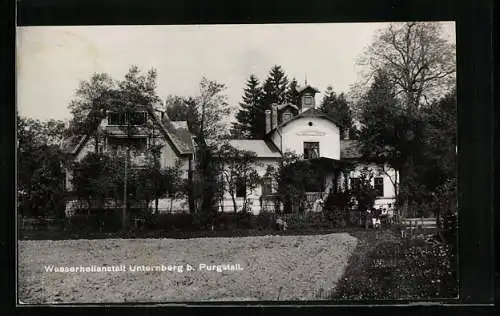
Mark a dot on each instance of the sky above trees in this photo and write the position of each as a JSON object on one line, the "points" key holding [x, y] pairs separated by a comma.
{"points": [[51, 61]]}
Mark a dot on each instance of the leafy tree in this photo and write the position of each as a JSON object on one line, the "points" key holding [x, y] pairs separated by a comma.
{"points": [[184, 109], [294, 177], [136, 92], [419, 65], [364, 193], [237, 167], [205, 185], [441, 136], [213, 109], [89, 106], [251, 108], [95, 178], [292, 93], [155, 182], [389, 135], [337, 107], [40, 176]]}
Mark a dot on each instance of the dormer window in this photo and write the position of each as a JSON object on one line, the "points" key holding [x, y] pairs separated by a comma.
{"points": [[308, 100]]}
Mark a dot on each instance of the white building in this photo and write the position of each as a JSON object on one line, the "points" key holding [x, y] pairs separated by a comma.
{"points": [[150, 126], [301, 129], [306, 131]]}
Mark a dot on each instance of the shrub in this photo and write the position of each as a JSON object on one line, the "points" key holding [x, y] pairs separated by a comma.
{"points": [[99, 220], [243, 219], [170, 221], [445, 201], [399, 269], [264, 221]]}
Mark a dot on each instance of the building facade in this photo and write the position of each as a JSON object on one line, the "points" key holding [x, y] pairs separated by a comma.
{"points": [[146, 127], [309, 133]]}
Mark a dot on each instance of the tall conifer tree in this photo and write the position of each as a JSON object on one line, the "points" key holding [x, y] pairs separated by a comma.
{"points": [[247, 124]]}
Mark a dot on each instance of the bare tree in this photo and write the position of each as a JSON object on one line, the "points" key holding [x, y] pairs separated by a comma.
{"points": [[419, 62]]}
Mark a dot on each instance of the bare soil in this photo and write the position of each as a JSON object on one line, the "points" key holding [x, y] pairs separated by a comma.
{"points": [[274, 268]]}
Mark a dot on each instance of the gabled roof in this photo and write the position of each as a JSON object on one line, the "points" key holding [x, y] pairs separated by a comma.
{"points": [[306, 88], [176, 134], [312, 112], [180, 135], [284, 105], [350, 149]]}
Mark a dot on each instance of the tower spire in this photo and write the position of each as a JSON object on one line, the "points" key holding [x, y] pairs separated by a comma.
{"points": [[305, 80]]}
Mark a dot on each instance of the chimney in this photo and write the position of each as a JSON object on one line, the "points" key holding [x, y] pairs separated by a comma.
{"points": [[274, 116], [268, 121]]}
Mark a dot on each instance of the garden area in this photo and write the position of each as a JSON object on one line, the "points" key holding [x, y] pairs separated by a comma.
{"points": [[385, 266]]}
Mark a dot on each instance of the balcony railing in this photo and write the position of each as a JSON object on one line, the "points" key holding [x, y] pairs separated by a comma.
{"points": [[312, 197]]}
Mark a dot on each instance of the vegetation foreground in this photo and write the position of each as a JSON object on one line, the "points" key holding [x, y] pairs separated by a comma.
{"points": [[385, 266]]}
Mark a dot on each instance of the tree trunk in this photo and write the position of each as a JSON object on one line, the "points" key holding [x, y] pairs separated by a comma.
{"points": [[89, 206], [156, 205], [125, 200], [234, 203], [96, 139]]}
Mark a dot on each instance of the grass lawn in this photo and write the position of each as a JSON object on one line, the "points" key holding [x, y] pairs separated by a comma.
{"points": [[274, 268], [384, 266]]}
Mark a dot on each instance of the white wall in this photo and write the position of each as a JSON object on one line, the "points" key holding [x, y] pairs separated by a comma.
{"points": [[254, 196], [389, 189], [168, 158], [295, 133]]}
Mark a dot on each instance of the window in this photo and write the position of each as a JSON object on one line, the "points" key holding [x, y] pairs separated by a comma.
{"points": [[241, 188], [379, 186], [311, 150], [267, 186], [137, 118], [308, 100], [118, 144], [116, 118], [355, 184]]}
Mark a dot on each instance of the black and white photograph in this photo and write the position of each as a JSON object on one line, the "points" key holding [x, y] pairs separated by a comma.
{"points": [[236, 162]]}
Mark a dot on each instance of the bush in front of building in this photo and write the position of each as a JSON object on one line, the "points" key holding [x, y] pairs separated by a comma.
{"points": [[166, 221], [264, 221], [98, 220]]}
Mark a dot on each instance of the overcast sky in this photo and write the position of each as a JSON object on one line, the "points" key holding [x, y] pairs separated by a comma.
{"points": [[51, 61]]}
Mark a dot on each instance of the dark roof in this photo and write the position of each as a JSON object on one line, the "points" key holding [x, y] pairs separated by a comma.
{"points": [[180, 134], [307, 88], [284, 105], [349, 149], [262, 148], [312, 112], [69, 144], [177, 133]]}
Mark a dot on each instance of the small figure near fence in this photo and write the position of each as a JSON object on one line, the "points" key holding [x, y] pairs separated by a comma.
{"points": [[368, 218], [281, 224], [376, 213]]}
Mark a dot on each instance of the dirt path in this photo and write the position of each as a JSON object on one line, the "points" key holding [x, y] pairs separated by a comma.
{"points": [[288, 267]]}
